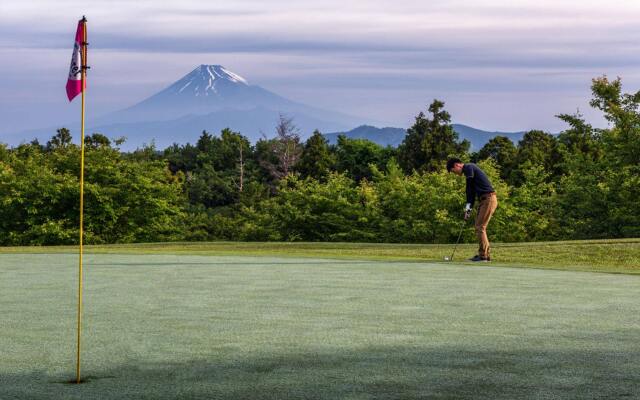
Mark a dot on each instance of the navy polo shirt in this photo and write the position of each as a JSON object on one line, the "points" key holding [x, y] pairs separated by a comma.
{"points": [[477, 182]]}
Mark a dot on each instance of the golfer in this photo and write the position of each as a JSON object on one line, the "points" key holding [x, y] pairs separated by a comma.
{"points": [[477, 185]]}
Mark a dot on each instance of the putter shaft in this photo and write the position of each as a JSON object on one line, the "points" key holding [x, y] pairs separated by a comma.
{"points": [[457, 241]]}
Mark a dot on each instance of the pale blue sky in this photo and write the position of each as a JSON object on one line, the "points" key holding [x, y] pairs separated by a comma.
{"points": [[498, 65]]}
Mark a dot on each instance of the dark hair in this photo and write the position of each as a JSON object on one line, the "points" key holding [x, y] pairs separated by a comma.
{"points": [[452, 161]]}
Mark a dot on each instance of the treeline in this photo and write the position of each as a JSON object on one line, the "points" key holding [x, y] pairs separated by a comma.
{"points": [[582, 183]]}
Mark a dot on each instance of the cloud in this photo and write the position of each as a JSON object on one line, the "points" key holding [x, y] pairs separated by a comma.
{"points": [[344, 55]]}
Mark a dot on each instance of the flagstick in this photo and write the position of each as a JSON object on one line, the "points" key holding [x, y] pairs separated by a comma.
{"points": [[83, 77]]}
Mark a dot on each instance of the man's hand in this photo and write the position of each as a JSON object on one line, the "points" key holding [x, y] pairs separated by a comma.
{"points": [[467, 211]]}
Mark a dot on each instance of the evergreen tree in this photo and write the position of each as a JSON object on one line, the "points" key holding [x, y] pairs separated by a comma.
{"points": [[316, 160], [502, 150], [205, 142], [97, 140], [182, 158], [581, 140], [430, 142], [61, 139]]}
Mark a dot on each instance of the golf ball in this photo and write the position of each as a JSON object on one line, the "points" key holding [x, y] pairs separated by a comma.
{"points": [[446, 258]]}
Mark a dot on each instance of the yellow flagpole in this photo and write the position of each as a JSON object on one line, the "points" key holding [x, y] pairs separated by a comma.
{"points": [[83, 78]]}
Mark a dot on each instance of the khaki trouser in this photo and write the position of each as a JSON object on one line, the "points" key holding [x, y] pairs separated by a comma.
{"points": [[486, 208]]}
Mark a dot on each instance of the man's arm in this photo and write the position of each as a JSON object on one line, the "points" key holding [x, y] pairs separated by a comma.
{"points": [[471, 190], [469, 173], [471, 193]]}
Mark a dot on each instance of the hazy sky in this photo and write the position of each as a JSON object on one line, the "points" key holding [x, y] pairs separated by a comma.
{"points": [[498, 65]]}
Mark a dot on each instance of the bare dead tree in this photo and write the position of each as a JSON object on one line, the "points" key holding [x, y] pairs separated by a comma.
{"points": [[240, 187], [239, 168], [285, 148]]}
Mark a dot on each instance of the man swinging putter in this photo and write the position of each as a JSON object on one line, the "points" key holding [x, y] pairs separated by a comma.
{"points": [[477, 185]]}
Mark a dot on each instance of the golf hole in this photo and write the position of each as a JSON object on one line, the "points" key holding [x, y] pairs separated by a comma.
{"points": [[75, 382], [85, 380]]}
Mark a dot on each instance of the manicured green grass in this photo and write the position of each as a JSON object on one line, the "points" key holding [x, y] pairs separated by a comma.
{"points": [[167, 326], [613, 256]]}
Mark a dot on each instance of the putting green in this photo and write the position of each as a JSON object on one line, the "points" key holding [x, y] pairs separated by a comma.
{"points": [[169, 326]]}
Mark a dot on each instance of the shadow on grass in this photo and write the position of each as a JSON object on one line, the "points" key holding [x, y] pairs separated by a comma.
{"points": [[252, 263], [377, 373]]}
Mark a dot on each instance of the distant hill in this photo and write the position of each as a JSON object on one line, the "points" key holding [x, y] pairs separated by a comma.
{"points": [[382, 136], [479, 138], [394, 136], [252, 123]]}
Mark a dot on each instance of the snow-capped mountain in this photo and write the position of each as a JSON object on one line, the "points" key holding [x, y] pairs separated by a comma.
{"points": [[211, 97], [206, 89], [212, 81]]}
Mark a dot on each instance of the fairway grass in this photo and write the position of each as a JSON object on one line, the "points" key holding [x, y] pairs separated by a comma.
{"points": [[611, 256], [178, 326]]}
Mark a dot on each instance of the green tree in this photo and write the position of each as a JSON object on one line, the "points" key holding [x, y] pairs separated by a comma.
{"points": [[581, 141], [236, 158], [125, 200], [310, 210], [209, 187], [503, 151], [316, 160], [148, 152], [217, 168], [97, 140], [430, 142], [534, 203], [357, 156], [598, 196], [537, 148], [181, 158], [205, 142], [131, 200], [62, 138], [623, 140]]}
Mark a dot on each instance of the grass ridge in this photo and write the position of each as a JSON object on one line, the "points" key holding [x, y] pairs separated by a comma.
{"points": [[620, 256]]}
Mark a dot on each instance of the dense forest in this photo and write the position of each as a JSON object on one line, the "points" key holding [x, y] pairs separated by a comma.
{"points": [[582, 183]]}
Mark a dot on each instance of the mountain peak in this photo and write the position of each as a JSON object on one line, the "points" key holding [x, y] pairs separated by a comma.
{"points": [[211, 97], [220, 72], [206, 80]]}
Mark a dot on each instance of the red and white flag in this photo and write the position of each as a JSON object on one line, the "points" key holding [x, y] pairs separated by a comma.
{"points": [[74, 83]]}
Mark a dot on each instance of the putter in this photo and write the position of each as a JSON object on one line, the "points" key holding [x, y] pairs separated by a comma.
{"points": [[456, 245]]}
